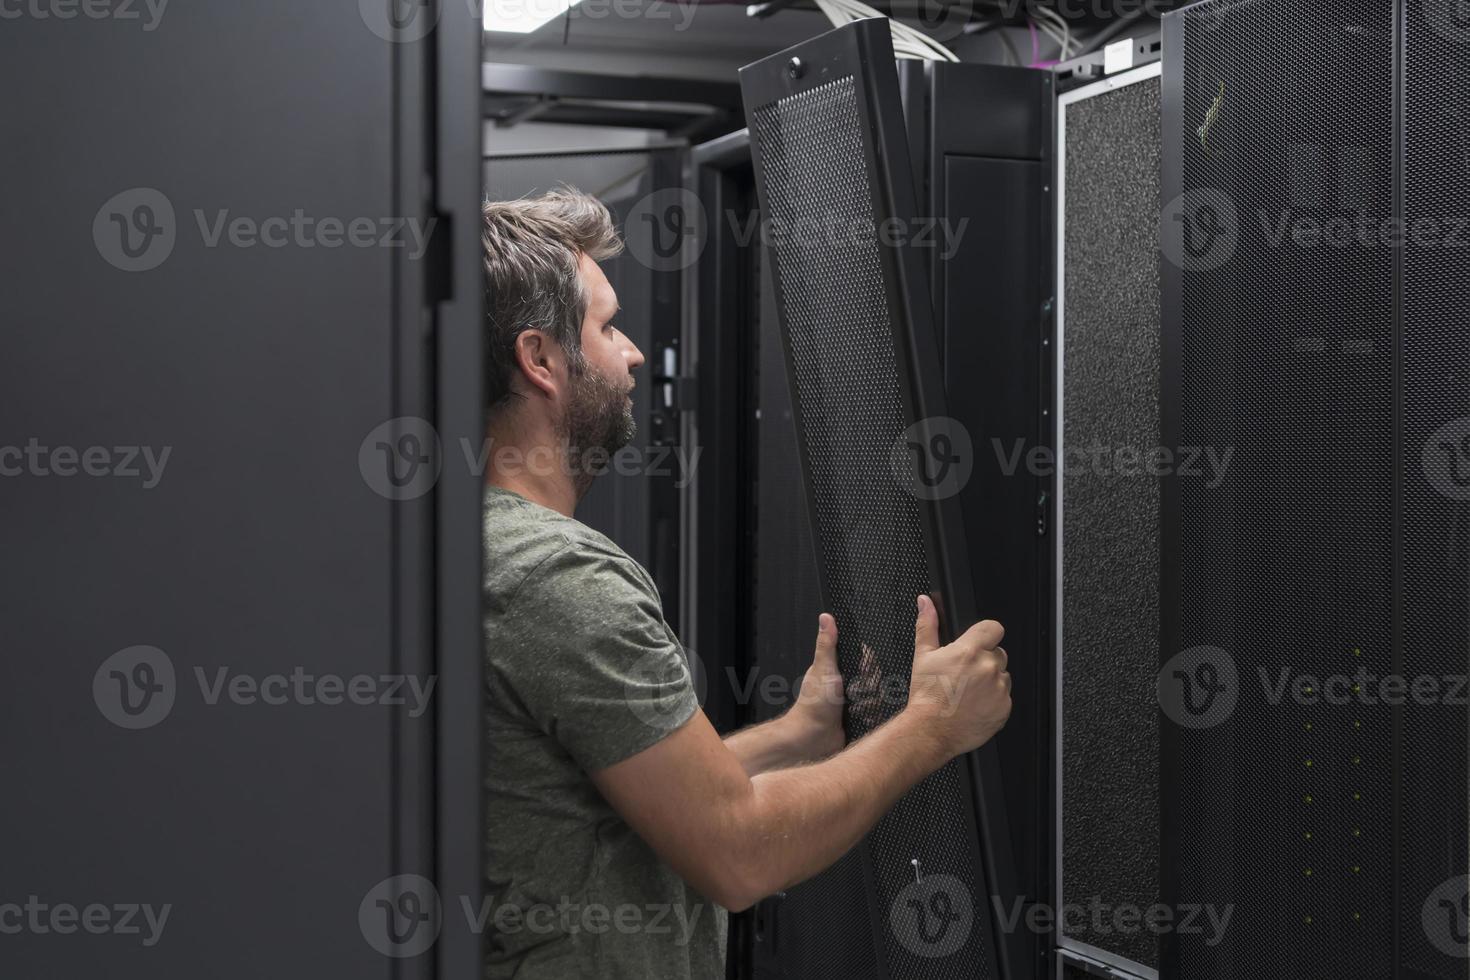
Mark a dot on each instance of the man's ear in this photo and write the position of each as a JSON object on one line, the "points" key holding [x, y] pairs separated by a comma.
{"points": [[539, 361]]}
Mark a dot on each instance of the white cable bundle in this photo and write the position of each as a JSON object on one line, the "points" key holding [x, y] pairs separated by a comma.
{"points": [[907, 41], [1055, 26]]}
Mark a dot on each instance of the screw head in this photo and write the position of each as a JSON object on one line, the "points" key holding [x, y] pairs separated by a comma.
{"points": [[796, 68]]}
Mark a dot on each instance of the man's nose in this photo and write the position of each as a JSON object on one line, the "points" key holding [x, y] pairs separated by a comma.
{"points": [[635, 356]]}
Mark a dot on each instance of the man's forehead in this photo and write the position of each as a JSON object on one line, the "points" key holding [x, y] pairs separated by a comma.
{"points": [[602, 299]]}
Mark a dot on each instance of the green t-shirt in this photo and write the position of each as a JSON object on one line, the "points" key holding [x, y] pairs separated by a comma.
{"points": [[581, 672]]}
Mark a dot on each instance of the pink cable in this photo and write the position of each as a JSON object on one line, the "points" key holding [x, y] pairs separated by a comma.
{"points": [[1035, 50]]}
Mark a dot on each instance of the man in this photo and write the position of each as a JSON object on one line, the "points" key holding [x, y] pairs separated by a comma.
{"points": [[620, 827]]}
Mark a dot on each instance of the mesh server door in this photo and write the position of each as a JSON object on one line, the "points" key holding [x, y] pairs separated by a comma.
{"points": [[1315, 607], [881, 465]]}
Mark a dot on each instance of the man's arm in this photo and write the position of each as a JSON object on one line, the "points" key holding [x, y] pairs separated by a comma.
{"points": [[812, 729], [738, 838]]}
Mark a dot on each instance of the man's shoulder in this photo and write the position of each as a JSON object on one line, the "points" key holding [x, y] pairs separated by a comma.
{"points": [[526, 542]]}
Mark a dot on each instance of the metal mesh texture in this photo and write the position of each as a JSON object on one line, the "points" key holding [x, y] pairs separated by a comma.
{"points": [[1285, 808], [1436, 486], [1110, 409], [820, 930], [867, 528]]}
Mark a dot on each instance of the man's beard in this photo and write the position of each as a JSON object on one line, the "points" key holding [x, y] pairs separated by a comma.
{"points": [[597, 422]]}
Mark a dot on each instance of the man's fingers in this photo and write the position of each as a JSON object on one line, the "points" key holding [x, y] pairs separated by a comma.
{"points": [[826, 641], [926, 626], [984, 635]]}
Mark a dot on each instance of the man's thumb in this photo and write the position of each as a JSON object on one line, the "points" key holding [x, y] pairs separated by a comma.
{"points": [[826, 639], [926, 626]]}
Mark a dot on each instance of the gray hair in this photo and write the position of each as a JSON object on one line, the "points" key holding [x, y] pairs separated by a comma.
{"points": [[532, 247]]}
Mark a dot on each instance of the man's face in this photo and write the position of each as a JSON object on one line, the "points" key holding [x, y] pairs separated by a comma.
{"points": [[599, 409]]}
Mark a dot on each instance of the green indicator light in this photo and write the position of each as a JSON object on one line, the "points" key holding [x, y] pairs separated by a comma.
{"points": [[1308, 726], [1357, 724], [1357, 832], [1356, 869], [1308, 872], [1308, 835], [1308, 797], [1357, 652], [1357, 759], [1357, 796], [1307, 920], [1309, 763], [1356, 916]]}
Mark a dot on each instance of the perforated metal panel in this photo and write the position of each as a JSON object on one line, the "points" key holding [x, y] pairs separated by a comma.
{"points": [[1108, 360], [1436, 492], [1325, 561], [850, 340]]}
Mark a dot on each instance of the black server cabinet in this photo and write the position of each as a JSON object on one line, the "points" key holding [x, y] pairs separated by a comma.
{"points": [[863, 364], [1317, 602], [183, 275], [981, 146]]}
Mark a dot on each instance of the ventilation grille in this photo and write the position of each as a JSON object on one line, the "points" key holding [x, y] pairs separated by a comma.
{"points": [[870, 546], [1436, 485], [1285, 809]]}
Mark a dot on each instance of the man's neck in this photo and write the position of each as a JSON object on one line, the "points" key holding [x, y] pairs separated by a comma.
{"points": [[546, 491]]}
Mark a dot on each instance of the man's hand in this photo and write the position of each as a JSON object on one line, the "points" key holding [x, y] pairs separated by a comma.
{"points": [[961, 692], [816, 717]]}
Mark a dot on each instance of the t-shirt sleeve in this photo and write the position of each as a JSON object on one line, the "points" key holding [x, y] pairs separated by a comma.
{"points": [[584, 647]]}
